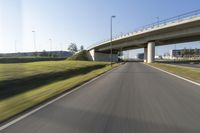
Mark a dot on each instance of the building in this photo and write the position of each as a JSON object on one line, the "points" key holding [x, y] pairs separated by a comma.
{"points": [[179, 53], [140, 56], [175, 53]]}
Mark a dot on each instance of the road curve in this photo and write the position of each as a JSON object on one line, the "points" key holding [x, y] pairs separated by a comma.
{"points": [[134, 98]]}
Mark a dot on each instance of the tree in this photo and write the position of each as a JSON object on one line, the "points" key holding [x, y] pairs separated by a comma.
{"points": [[196, 51], [120, 53], [166, 54], [81, 48], [184, 52], [44, 53], [35, 53], [192, 52], [73, 47]]}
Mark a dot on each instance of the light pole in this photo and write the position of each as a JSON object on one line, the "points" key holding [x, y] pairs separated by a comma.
{"points": [[15, 46], [111, 39], [61, 46], [50, 40], [34, 40], [175, 53]]}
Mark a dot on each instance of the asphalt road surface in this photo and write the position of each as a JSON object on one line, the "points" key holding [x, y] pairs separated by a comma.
{"points": [[134, 98]]}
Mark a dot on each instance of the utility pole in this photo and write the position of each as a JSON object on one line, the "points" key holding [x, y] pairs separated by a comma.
{"points": [[175, 52], [34, 40], [15, 46], [111, 51], [50, 40]]}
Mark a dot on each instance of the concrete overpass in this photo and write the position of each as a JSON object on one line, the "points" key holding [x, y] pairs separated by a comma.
{"points": [[179, 29]]}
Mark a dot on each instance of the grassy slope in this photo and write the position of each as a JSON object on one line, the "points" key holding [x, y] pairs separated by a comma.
{"points": [[20, 102], [82, 55], [181, 71], [23, 70]]}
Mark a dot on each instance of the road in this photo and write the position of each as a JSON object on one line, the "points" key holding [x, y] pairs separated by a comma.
{"points": [[134, 98]]}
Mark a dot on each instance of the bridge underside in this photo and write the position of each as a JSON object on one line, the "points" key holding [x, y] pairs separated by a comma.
{"points": [[149, 54]]}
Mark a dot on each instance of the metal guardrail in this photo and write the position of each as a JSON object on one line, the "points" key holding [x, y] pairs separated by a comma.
{"points": [[177, 19]]}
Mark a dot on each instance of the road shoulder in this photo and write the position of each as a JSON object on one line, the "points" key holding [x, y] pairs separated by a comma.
{"points": [[179, 72]]}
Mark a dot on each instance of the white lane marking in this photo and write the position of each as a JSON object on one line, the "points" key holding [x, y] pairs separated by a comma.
{"points": [[174, 75], [52, 101]]}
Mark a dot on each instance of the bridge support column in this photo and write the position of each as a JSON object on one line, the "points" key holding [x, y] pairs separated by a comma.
{"points": [[150, 52], [145, 55], [91, 55]]}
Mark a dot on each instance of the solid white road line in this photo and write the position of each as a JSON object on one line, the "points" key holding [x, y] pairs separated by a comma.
{"points": [[174, 75], [50, 102]]}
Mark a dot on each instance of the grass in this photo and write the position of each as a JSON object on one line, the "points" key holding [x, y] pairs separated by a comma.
{"points": [[179, 70], [82, 55], [27, 59], [23, 70], [179, 61], [57, 77]]}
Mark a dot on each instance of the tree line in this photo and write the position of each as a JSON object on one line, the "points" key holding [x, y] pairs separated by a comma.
{"points": [[189, 52]]}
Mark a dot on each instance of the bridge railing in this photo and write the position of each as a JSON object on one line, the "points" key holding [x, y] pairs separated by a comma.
{"points": [[176, 19]]}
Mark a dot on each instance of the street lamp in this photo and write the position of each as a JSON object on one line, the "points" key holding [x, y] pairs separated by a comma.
{"points": [[111, 39], [15, 46], [175, 53], [34, 40], [50, 40], [61, 46]]}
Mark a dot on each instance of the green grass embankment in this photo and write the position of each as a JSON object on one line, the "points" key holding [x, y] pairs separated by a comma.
{"points": [[25, 85], [188, 73], [82, 55]]}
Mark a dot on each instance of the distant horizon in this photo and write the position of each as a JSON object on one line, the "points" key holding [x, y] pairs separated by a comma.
{"points": [[125, 53], [37, 51]]}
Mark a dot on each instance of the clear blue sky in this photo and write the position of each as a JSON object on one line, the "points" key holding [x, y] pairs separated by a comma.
{"points": [[83, 22]]}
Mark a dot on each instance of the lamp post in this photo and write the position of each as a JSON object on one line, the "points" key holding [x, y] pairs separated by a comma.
{"points": [[111, 51], [34, 40], [15, 46], [175, 53], [50, 54]]}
